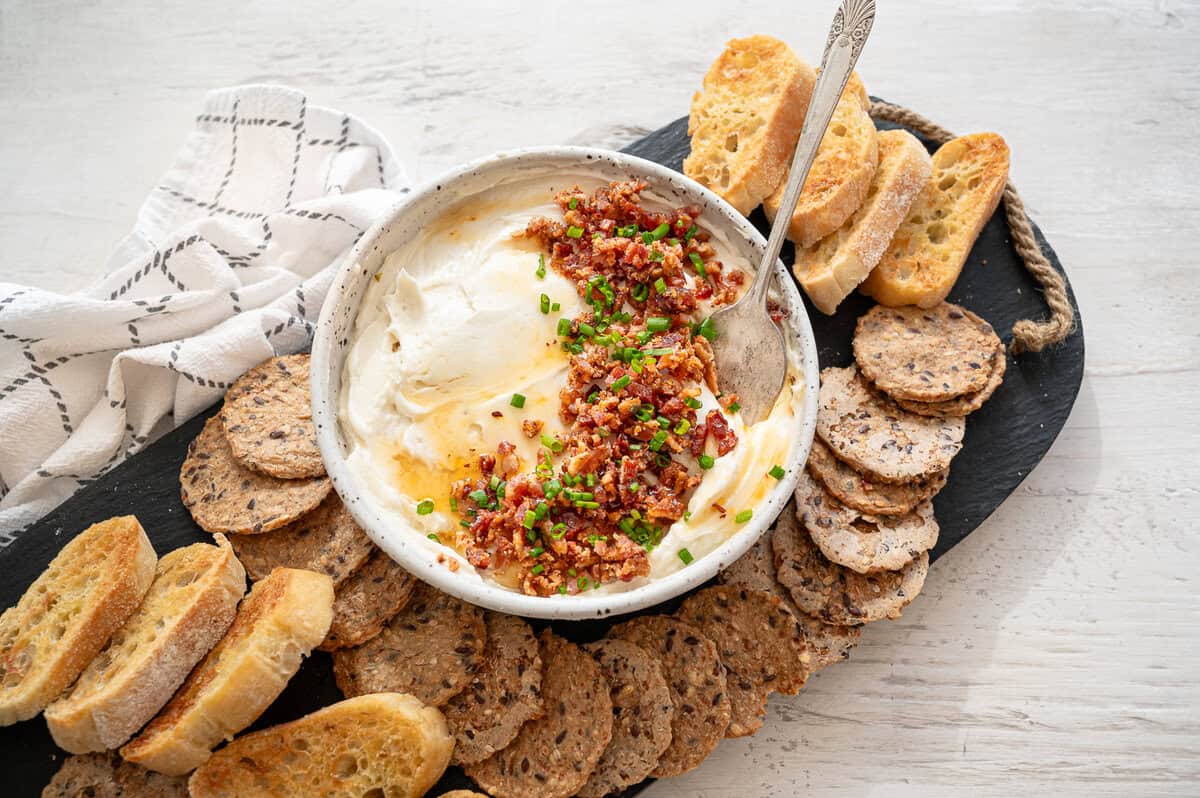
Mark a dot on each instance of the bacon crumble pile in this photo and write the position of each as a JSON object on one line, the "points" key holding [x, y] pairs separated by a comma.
{"points": [[601, 499]]}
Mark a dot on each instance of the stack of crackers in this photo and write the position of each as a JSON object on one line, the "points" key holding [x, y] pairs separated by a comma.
{"points": [[256, 475]]}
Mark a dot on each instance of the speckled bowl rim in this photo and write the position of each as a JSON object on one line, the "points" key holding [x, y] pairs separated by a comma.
{"points": [[341, 307]]}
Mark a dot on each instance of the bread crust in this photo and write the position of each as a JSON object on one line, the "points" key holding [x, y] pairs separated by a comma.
{"points": [[927, 254], [378, 744], [739, 154], [128, 683], [101, 576], [841, 175], [833, 267], [282, 619]]}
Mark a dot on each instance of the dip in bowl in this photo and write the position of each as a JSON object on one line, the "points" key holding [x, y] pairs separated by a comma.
{"points": [[515, 395]]}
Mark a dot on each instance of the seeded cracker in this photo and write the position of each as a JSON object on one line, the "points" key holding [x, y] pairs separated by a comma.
{"points": [[224, 497], [368, 599], [967, 403], [642, 712], [430, 649], [862, 493], [268, 420], [825, 643], [835, 594], [106, 775], [327, 541], [875, 436], [863, 543], [924, 355], [554, 755], [756, 636], [696, 679], [505, 692]]}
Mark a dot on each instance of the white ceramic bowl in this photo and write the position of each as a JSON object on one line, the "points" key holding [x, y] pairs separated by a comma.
{"points": [[406, 219]]}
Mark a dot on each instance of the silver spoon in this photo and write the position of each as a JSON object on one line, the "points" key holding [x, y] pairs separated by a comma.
{"points": [[749, 347]]}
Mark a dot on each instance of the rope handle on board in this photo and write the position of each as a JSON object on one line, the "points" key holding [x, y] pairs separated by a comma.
{"points": [[1028, 335]]}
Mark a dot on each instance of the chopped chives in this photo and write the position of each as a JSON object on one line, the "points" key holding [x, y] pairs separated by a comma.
{"points": [[541, 510], [574, 232], [557, 531], [425, 507], [658, 440], [693, 403], [434, 537], [686, 556], [744, 516], [537, 569], [658, 232], [530, 519], [453, 505], [776, 471], [663, 421], [541, 269], [658, 323], [536, 551], [673, 242], [544, 302], [706, 329], [555, 307], [634, 487], [553, 444], [466, 524], [656, 256], [518, 400], [591, 480], [658, 351], [574, 203], [621, 382], [635, 446], [660, 285], [640, 292], [691, 232], [564, 327], [478, 496], [662, 460], [588, 505], [628, 231], [698, 262], [593, 397], [562, 589], [733, 408], [586, 330], [687, 516], [706, 461], [683, 426]]}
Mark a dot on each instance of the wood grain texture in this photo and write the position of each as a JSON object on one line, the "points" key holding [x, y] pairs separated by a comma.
{"points": [[1053, 650]]}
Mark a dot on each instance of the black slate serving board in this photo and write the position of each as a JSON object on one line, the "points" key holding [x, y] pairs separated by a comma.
{"points": [[1004, 441]]}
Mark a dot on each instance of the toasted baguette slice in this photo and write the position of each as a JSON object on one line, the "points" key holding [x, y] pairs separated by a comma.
{"points": [[384, 744], [745, 121], [67, 615], [283, 618], [189, 607], [829, 270], [927, 254], [841, 175]]}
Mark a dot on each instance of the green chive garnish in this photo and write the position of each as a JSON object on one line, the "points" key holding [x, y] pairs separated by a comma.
{"points": [[656, 256], [683, 426], [706, 329], [574, 232], [425, 507], [434, 538], [706, 461], [530, 519], [574, 203], [621, 382], [658, 440], [586, 330], [564, 327], [686, 556], [544, 303], [744, 516], [518, 400], [658, 323], [555, 307], [478, 496], [541, 269], [557, 531], [733, 408], [537, 569], [640, 292], [657, 233], [776, 471], [693, 403], [698, 262], [691, 232], [553, 444], [660, 285], [453, 505], [658, 351]]}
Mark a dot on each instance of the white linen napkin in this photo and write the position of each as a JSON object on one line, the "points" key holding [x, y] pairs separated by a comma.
{"points": [[228, 263]]}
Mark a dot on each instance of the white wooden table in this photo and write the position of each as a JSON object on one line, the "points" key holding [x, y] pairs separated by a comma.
{"points": [[1058, 648]]}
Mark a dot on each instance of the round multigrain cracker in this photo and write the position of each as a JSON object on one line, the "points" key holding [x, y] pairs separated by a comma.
{"points": [[863, 543], [756, 635], [327, 540], [504, 693], [268, 420], [642, 712], [554, 755], [968, 403], [924, 355], [368, 599], [824, 643], [696, 679], [224, 497], [862, 493], [430, 650], [875, 436], [835, 594]]}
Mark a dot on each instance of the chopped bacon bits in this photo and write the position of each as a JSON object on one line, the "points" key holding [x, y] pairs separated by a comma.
{"points": [[602, 496]]}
